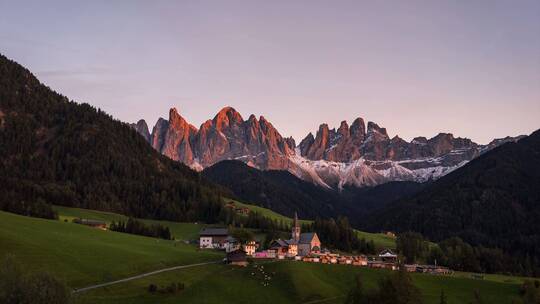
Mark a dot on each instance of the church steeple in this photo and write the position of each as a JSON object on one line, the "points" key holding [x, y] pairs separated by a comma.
{"points": [[296, 228]]}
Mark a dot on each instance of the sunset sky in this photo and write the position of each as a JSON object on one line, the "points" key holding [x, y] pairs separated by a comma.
{"points": [[471, 68]]}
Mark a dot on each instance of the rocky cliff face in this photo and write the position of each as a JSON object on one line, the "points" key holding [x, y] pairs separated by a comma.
{"points": [[357, 155], [140, 127], [226, 136]]}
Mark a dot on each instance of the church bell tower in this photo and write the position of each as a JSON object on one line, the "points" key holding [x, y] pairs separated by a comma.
{"points": [[296, 229]]}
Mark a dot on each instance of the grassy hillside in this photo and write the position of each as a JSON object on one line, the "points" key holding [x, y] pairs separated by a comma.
{"points": [[180, 231], [381, 240], [81, 255], [291, 282]]}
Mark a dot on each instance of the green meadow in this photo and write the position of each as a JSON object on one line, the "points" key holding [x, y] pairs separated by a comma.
{"points": [[180, 231], [82, 255], [290, 282]]}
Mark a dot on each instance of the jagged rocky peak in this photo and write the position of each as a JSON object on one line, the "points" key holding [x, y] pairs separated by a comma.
{"points": [[420, 140], [227, 117], [140, 127], [373, 128], [226, 136], [291, 143], [358, 128], [306, 143], [176, 121], [351, 154], [343, 129]]}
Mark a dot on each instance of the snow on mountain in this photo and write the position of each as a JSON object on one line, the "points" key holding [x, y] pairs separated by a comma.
{"points": [[358, 155]]}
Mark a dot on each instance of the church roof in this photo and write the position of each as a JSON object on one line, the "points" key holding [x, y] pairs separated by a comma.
{"points": [[306, 238], [291, 242]]}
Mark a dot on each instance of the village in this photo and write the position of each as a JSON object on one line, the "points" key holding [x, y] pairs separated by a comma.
{"points": [[302, 247]]}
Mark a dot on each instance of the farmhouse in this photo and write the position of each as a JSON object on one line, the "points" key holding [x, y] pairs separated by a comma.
{"points": [[92, 223], [214, 238], [237, 257], [250, 247], [388, 256]]}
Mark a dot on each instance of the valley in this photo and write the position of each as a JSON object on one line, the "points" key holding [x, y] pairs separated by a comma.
{"points": [[83, 256]]}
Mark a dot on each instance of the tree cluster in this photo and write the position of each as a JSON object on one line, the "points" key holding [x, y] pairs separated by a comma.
{"points": [[459, 255], [134, 226], [338, 234]]}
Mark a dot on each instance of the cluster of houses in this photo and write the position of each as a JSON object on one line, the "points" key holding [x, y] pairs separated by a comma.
{"points": [[300, 244], [304, 247]]}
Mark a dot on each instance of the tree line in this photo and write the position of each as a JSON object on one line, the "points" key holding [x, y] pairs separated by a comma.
{"points": [[460, 255], [134, 226]]}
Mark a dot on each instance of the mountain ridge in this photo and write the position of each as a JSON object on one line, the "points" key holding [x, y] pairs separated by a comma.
{"points": [[357, 155]]}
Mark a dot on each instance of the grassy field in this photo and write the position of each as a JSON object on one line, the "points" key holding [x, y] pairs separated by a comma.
{"points": [[381, 240], [268, 213], [291, 282], [81, 255], [181, 231]]}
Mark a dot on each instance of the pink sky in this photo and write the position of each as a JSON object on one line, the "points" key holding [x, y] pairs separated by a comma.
{"points": [[414, 67]]}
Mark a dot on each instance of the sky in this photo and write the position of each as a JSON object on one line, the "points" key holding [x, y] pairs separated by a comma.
{"points": [[416, 67]]}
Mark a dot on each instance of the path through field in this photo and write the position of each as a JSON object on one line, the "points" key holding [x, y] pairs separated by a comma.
{"points": [[141, 276]]}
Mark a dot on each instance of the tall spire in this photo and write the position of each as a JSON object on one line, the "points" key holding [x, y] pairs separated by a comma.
{"points": [[295, 228]]}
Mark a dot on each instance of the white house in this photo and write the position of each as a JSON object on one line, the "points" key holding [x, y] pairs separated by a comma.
{"points": [[213, 238]]}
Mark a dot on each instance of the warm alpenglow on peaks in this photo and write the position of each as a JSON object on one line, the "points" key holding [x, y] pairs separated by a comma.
{"points": [[358, 155], [255, 152]]}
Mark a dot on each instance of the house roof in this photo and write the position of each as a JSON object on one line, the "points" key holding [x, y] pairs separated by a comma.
{"points": [[279, 243], [214, 232], [291, 242], [90, 222], [236, 256], [387, 253], [306, 238]]}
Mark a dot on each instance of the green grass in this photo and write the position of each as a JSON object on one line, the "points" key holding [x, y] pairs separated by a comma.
{"points": [[181, 231], [268, 213], [81, 255], [381, 240], [292, 282]]}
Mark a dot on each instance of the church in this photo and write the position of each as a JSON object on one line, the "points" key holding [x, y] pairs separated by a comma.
{"points": [[301, 244]]}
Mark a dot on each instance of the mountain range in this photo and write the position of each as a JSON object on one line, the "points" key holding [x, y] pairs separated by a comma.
{"points": [[356, 155], [493, 201]]}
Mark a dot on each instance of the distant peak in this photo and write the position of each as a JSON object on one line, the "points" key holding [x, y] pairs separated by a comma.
{"points": [[228, 113], [227, 110], [173, 111]]}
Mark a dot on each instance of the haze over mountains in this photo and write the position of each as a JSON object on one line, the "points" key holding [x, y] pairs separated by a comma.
{"points": [[351, 155]]}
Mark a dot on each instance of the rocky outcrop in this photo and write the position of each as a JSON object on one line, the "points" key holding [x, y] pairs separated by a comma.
{"points": [[357, 155], [140, 127], [226, 136]]}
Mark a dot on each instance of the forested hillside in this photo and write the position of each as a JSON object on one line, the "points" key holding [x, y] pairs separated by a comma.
{"points": [[494, 201], [56, 151], [279, 191], [285, 193]]}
